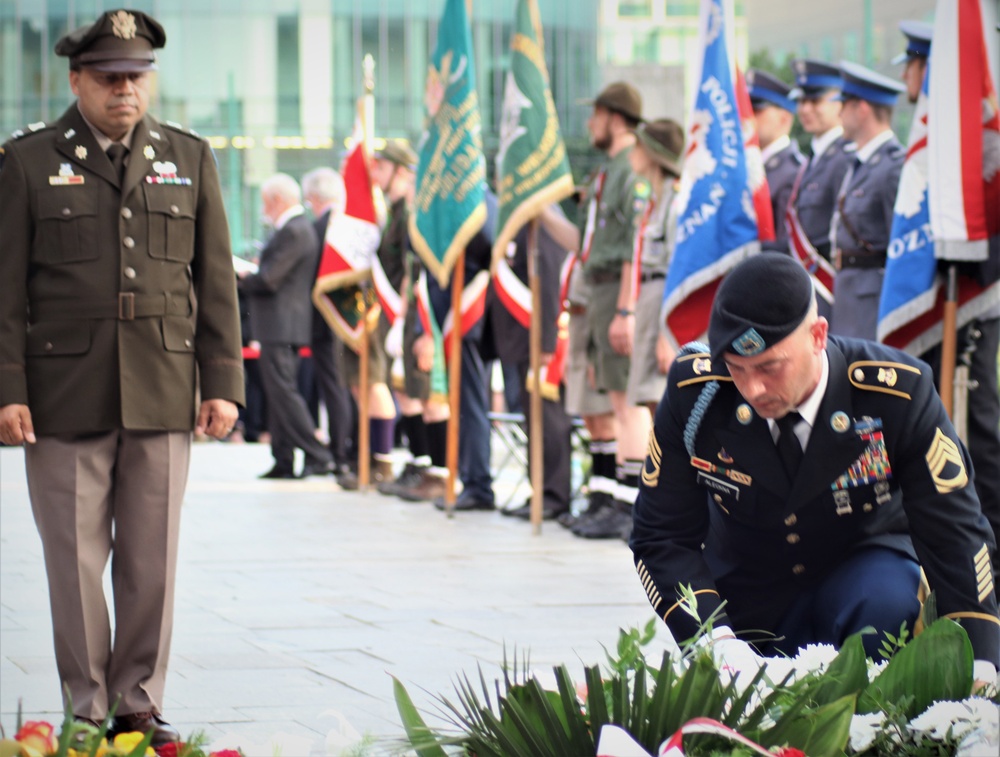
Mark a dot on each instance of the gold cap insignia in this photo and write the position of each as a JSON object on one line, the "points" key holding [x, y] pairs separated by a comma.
{"points": [[744, 414], [148, 152], [945, 463], [887, 376], [840, 422], [702, 365], [123, 25], [81, 152]]}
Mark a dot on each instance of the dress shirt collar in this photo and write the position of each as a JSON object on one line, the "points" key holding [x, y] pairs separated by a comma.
{"points": [[103, 141], [809, 407], [821, 143], [288, 215], [775, 147], [864, 153]]}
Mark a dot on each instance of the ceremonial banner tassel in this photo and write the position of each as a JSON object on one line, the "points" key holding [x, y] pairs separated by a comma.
{"points": [[949, 182], [717, 226], [449, 206]]}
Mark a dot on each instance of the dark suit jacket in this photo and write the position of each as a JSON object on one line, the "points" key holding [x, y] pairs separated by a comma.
{"points": [[280, 292], [98, 284], [883, 467]]}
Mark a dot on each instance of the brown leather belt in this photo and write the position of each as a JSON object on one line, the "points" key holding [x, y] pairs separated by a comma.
{"points": [[844, 259], [127, 306], [576, 309], [604, 277]]}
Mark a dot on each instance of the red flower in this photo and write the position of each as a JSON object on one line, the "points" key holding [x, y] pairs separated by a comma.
{"points": [[170, 749], [790, 752], [234, 753], [37, 738]]}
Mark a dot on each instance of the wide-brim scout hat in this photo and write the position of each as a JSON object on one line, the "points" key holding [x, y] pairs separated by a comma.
{"points": [[398, 151], [120, 41], [619, 97], [918, 41], [663, 141], [759, 303]]}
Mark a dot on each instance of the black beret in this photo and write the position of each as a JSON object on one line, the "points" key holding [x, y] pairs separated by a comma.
{"points": [[120, 41], [760, 302]]}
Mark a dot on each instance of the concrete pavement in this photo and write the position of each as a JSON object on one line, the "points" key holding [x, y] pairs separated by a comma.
{"points": [[296, 600]]}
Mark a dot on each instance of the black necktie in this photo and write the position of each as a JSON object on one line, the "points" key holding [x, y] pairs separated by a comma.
{"points": [[789, 449], [116, 154]]}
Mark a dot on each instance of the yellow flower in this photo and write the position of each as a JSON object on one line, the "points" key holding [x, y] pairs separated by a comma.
{"points": [[126, 742]]}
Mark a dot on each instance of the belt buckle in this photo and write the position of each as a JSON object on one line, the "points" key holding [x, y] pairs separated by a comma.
{"points": [[126, 306], [837, 259]]}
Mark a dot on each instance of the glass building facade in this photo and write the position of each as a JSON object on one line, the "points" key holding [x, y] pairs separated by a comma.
{"points": [[273, 84]]}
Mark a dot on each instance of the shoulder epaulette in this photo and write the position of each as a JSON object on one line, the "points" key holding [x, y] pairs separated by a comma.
{"points": [[183, 130], [696, 368], [30, 129], [897, 379]]}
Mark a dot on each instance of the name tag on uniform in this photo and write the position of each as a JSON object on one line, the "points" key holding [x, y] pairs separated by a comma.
{"points": [[717, 484]]}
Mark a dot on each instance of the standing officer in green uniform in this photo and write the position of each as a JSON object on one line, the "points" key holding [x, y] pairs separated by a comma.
{"points": [[117, 308]]}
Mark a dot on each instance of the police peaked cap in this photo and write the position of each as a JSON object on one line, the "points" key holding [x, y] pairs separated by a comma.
{"points": [[766, 88], [760, 302], [868, 85], [120, 41], [918, 40]]}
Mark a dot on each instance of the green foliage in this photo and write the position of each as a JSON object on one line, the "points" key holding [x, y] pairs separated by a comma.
{"points": [[935, 665]]}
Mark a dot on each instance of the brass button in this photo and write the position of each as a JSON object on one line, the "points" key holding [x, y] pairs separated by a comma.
{"points": [[867, 507], [128, 242], [792, 538], [791, 520], [718, 499], [174, 209], [798, 569], [187, 342], [48, 346], [67, 212], [129, 272], [126, 213]]}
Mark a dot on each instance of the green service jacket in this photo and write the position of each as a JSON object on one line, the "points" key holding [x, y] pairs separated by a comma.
{"points": [[116, 302]]}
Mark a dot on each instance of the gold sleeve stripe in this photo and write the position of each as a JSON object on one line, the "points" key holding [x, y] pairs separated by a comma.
{"points": [[974, 616], [985, 590], [984, 572], [647, 584], [983, 554], [678, 603]]}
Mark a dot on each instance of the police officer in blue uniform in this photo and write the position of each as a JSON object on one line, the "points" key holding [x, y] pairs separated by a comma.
{"points": [[816, 93], [862, 219], [774, 112], [979, 338], [800, 479]]}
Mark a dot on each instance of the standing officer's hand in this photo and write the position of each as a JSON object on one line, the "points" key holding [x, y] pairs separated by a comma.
{"points": [[15, 425], [423, 351], [216, 418]]}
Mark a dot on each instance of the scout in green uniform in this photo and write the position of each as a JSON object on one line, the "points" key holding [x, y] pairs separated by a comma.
{"points": [[117, 306]]}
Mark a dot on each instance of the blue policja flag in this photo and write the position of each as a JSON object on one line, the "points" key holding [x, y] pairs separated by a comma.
{"points": [[717, 224], [910, 289]]}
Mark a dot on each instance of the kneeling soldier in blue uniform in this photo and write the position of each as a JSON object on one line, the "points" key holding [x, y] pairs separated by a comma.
{"points": [[805, 480]]}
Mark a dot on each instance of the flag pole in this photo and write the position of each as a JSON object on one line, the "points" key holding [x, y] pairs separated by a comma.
{"points": [[454, 381], [536, 443], [364, 389], [949, 342]]}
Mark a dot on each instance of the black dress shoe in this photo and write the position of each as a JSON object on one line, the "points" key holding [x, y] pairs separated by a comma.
{"points": [[278, 472], [317, 469], [466, 502], [550, 510], [144, 722]]}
